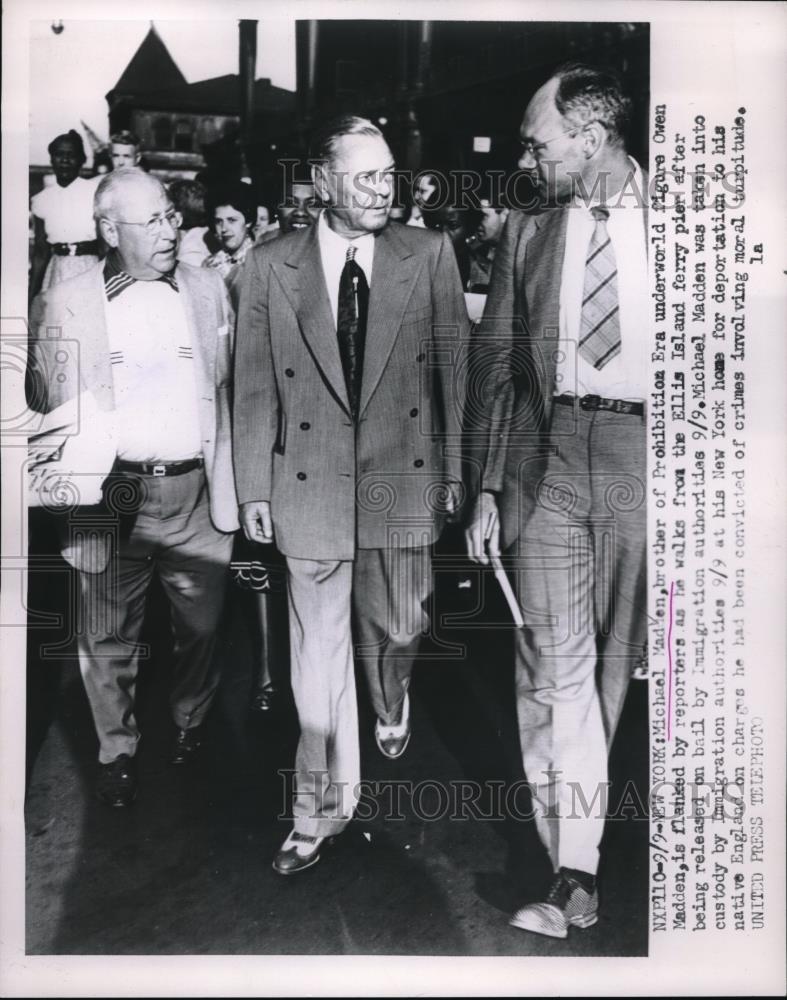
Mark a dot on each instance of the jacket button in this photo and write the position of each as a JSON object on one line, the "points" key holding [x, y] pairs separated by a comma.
{"points": [[414, 411], [420, 357], [289, 372], [301, 476], [305, 426], [418, 463]]}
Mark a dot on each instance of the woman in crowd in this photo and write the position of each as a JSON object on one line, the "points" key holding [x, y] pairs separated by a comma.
{"points": [[65, 241], [233, 213], [188, 197], [258, 568]]}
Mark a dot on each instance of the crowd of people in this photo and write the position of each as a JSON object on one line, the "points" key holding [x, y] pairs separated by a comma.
{"points": [[304, 398], [219, 222]]}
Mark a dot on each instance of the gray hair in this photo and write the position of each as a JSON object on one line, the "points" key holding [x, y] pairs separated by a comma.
{"points": [[324, 140], [110, 190], [589, 93]]}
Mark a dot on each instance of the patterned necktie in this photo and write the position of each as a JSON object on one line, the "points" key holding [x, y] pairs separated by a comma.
{"points": [[351, 326], [599, 335]]}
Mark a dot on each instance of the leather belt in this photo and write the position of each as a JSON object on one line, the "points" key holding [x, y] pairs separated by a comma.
{"points": [[599, 403], [159, 468], [75, 249]]}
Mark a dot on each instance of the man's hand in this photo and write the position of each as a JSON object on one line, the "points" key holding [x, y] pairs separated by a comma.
{"points": [[483, 533], [255, 517]]}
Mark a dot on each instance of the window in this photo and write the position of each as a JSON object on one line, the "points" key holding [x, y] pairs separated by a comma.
{"points": [[184, 136], [162, 133]]}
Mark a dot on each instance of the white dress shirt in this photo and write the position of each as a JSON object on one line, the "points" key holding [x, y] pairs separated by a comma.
{"points": [[626, 375], [333, 254], [153, 374]]}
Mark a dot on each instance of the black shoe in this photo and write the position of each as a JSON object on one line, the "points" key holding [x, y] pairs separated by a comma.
{"points": [[117, 782], [264, 699], [186, 745]]}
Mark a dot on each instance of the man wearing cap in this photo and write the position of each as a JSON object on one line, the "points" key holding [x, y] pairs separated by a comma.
{"points": [[560, 455], [151, 340]]}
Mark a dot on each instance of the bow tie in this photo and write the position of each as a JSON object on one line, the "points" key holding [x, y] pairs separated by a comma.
{"points": [[116, 280]]}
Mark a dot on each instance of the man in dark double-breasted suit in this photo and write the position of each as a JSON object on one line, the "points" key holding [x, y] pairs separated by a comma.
{"points": [[347, 405]]}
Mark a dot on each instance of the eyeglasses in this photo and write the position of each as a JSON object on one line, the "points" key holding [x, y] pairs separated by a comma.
{"points": [[154, 224], [534, 149]]}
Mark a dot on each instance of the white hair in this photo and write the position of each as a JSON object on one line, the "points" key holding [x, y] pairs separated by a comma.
{"points": [[109, 192]]}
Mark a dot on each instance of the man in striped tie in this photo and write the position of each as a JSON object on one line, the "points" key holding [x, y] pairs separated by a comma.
{"points": [[559, 449]]}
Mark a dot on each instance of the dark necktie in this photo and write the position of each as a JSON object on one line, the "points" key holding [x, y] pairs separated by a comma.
{"points": [[599, 336], [351, 326]]}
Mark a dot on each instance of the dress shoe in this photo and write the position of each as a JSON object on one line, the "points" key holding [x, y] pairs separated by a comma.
{"points": [[186, 745], [117, 782], [392, 740], [298, 852], [264, 699], [569, 903]]}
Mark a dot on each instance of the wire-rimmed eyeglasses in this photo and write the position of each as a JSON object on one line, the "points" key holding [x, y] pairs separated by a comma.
{"points": [[155, 223]]}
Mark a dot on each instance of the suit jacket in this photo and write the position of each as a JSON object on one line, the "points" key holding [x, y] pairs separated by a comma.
{"points": [[334, 486], [70, 353], [514, 356]]}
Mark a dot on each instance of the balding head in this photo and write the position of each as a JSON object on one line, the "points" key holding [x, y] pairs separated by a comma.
{"points": [[138, 221], [572, 131], [119, 187]]}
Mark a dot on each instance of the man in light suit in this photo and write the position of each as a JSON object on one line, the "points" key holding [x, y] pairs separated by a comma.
{"points": [[151, 340], [347, 403], [559, 448]]}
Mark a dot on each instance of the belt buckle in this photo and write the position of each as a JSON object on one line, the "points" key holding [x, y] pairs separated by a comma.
{"points": [[72, 249], [589, 402], [159, 470]]}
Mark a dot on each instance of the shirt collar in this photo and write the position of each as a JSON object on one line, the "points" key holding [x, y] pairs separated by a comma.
{"points": [[337, 244], [116, 280], [631, 195], [240, 254]]}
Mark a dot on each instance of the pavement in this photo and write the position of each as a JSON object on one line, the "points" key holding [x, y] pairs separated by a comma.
{"points": [[434, 864]]}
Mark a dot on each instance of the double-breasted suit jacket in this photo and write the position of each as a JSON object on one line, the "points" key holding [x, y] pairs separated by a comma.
{"points": [[334, 485], [71, 354]]}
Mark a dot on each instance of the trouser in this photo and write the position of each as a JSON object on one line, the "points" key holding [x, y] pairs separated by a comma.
{"points": [[581, 582], [381, 594], [270, 611], [171, 534]]}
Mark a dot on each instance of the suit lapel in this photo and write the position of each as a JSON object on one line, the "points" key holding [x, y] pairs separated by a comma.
{"points": [[393, 274], [543, 267], [301, 276]]}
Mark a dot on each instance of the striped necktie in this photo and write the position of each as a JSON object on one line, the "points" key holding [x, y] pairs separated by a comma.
{"points": [[599, 333]]}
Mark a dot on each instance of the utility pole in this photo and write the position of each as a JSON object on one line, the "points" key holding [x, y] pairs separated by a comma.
{"points": [[247, 71]]}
